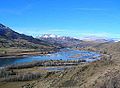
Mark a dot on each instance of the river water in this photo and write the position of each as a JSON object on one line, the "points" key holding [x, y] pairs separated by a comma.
{"points": [[63, 54]]}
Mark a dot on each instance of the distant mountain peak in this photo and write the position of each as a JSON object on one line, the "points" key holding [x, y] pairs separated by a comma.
{"points": [[49, 36], [55, 36], [64, 41]]}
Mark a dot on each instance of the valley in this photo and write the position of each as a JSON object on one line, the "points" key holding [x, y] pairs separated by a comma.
{"points": [[59, 44], [56, 62]]}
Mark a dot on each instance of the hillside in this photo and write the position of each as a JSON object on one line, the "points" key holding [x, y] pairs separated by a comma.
{"points": [[12, 42], [104, 73], [10, 38]]}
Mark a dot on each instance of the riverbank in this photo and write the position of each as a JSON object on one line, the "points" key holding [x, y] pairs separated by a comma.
{"points": [[8, 53], [34, 70]]}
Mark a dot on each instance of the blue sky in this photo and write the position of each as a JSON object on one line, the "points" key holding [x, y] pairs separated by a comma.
{"points": [[64, 17]]}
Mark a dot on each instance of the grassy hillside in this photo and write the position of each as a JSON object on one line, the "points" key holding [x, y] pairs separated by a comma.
{"points": [[99, 74], [10, 38], [11, 41]]}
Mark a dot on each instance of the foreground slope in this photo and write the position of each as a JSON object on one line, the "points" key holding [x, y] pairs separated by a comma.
{"points": [[99, 74]]}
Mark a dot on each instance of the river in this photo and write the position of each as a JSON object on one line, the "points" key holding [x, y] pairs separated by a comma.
{"points": [[63, 54]]}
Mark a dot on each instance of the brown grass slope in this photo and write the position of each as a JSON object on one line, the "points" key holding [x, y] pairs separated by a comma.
{"points": [[99, 74]]}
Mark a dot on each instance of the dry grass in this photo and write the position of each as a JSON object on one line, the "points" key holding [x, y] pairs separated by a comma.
{"points": [[104, 73]]}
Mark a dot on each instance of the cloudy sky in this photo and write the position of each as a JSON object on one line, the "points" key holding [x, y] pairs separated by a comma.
{"points": [[63, 17]]}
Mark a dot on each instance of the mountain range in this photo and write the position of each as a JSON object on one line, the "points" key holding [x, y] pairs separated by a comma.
{"points": [[63, 41], [10, 38], [66, 41]]}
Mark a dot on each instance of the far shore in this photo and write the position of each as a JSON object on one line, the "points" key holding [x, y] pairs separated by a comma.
{"points": [[24, 54]]}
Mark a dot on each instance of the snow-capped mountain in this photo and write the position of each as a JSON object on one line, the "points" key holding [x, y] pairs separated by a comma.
{"points": [[53, 36], [66, 41], [60, 40], [49, 36]]}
